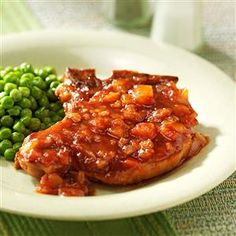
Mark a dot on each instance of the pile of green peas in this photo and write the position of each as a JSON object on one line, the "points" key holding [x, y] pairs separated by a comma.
{"points": [[27, 104]]}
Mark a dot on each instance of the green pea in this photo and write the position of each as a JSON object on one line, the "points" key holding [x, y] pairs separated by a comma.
{"points": [[8, 69], [49, 124], [24, 91], [9, 154], [36, 71], [50, 79], [41, 72], [26, 112], [43, 101], [46, 120], [36, 92], [34, 104], [52, 113], [45, 112], [42, 126], [50, 70], [25, 103], [19, 127], [2, 83], [26, 120], [1, 71], [5, 133], [4, 145], [17, 68], [27, 132], [55, 106], [41, 113], [7, 102], [7, 121], [19, 74], [51, 95], [17, 137], [25, 82], [2, 111], [10, 77], [2, 94], [26, 67], [37, 114], [9, 87], [28, 75], [16, 146], [39, 82], [61, 112], [34, 124], [16, 95], [14, 111], [56, 118], [54, 85]]}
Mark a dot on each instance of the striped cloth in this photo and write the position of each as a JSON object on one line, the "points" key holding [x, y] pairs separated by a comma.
{"points": [[212, 214], [16, 17]]}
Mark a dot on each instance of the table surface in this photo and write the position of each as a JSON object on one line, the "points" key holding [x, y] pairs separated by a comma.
{"points": [[213, 213]]}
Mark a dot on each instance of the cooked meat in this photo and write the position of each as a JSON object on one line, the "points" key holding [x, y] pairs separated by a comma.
{"points": [[120, 131]]}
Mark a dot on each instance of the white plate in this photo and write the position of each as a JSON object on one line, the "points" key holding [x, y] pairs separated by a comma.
{"points": [[211, 94]]}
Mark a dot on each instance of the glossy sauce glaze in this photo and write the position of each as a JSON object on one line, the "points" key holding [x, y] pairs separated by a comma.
{"points": [[115, 131]]}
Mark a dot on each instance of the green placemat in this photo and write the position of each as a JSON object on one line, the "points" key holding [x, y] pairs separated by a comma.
{"points": [[16, 17], [212, 214], [155, 224]]}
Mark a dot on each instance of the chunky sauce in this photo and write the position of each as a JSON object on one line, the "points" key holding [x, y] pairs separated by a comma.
{"points": [[110, 126]]}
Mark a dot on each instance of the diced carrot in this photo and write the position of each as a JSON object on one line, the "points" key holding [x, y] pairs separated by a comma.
{"points": [[111, 97], [143, 94], [144, 130]]}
